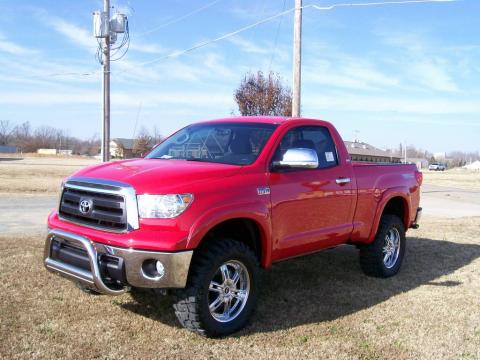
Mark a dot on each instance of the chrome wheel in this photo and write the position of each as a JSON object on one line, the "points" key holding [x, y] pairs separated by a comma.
{"points": [[391, 249], [228, 291]]}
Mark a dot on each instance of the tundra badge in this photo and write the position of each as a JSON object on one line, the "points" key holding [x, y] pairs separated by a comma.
{"points": [[265, 190]]}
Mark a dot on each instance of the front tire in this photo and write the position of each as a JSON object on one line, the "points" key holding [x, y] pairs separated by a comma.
{"points": [[221, 292], [383, 258]]}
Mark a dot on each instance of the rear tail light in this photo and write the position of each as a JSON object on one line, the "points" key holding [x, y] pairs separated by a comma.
{"points": [[419, 177]]}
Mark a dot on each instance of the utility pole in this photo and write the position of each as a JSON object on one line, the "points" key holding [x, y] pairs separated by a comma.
{"points": [[106, 29], [297, 59], [106, 88]]}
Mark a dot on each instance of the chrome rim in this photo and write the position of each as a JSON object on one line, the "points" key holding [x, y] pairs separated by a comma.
{"points": [[228, 291], [391, 250]]}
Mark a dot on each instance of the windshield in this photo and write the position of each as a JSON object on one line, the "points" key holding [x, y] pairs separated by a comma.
{"points": [[227, 143]]}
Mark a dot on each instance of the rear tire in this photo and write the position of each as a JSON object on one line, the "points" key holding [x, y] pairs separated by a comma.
{"points": [[383, 258], [221, 291]]}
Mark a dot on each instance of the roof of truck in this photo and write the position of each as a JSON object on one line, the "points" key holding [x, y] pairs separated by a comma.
{"points": [[260, 119]]}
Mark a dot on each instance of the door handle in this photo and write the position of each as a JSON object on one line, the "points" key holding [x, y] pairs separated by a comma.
{"points": [[342, 181]]}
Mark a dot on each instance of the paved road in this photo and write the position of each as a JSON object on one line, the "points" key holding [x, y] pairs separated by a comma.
{"points": [[28, 213], [450, 202], [25, 213]]}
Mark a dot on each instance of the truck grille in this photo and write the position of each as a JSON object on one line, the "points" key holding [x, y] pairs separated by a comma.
{"points": [[106, 211]]}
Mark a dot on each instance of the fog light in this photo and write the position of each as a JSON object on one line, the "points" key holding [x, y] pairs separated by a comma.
{"points": [[160, 268], [153, 269]]}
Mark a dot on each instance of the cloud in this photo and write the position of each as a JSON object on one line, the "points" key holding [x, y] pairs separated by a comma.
{"points": [[72, 32], [136, 45], [382, 104], [14, 48], [427, 64], [121, 99], [248, 46], [433, 74], [84, 38], [215, 64], [45, 71], [344, 71]]}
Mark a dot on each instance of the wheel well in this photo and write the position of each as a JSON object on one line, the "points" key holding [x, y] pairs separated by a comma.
{"points": [[396, 206], [244, 230]]}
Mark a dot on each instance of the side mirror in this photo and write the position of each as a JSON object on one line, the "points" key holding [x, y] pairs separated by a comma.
{"points": [[298, 158]]}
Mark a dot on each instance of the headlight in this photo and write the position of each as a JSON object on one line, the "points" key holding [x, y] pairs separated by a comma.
{"points": [[163, 206]]}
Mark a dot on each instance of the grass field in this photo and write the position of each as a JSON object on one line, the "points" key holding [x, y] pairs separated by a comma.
{"points": [[458, 178], [318, 306], [38, 174]]}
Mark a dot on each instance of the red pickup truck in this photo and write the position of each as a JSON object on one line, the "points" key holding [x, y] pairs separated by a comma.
{"points": [[216, 202]]}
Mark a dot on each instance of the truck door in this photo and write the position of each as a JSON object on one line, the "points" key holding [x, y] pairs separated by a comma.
{"points": [[311, 208]]}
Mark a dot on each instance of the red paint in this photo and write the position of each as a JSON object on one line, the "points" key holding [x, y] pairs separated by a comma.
{"points": [[306, 211]]}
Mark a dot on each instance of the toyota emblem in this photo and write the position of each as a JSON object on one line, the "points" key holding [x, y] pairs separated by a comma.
{"points": [[85, 206]]}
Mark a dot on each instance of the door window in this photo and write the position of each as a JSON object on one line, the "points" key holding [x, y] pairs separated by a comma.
{"points": [[317, 138]]}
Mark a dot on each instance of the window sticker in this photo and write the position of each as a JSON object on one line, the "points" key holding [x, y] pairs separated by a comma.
{"points": [[329, 156]]}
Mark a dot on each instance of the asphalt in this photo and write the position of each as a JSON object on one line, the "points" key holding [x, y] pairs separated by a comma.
{"points": [[25, 213], [28, 213], [450, 202]]}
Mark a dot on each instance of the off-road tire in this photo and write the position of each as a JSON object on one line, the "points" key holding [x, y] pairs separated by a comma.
{"points": [[371, 256], [191, 303]]}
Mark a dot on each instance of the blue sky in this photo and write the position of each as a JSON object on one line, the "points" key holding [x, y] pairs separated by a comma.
{"points": [[394, 73]]}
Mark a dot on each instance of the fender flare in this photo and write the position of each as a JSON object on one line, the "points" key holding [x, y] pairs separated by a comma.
{"points": [[388, 195], [257, 212]]}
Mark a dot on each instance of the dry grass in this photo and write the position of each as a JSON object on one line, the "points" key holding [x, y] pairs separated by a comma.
{"points": [[320, 306], [44, 174], [37, 174], [458, 178]]}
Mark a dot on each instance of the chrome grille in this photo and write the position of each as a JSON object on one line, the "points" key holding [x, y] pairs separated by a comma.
{"points": [[108, 205]]}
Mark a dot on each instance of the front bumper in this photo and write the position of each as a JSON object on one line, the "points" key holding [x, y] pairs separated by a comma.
{"points": [[84, 261]]}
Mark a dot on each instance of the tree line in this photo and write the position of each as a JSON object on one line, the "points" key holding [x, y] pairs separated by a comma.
{"points": [[257, 94], [28, 139]]}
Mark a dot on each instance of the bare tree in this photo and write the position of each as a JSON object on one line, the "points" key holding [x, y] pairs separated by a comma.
{"points": [[46, 137], [142, 143], [22, 137], [156, 136], [5, 132], [260, 95]]}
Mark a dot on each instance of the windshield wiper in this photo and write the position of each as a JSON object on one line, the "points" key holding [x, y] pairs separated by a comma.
{"points": [[197, 159]]}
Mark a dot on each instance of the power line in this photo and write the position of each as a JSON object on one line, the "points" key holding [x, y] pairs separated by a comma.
{"points": [[173, 21], [270, 18], [247, 27], [276, 37], [331, 7], [208, 42]]}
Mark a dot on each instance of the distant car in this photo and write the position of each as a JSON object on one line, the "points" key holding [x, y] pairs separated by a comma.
{"points": [[437, 167]]}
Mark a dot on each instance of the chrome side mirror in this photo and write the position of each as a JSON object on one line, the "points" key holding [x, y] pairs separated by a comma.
{"points": [[298, 158]]}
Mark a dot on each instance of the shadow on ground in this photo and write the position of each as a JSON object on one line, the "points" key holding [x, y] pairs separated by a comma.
{"points": [[10, 159], [330, 284]]}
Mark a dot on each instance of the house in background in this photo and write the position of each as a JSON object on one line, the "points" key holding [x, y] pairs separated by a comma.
{"points": [[121, 148], [360, 151]]}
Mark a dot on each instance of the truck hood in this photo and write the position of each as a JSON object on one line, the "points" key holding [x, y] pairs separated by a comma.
{"points": [[159, 175]]}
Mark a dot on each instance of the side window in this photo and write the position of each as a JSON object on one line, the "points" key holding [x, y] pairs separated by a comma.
{"points": [[317, 138]]}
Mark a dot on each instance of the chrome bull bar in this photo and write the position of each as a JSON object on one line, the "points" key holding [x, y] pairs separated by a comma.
{"points": [[93, 278], [176, 265]]}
